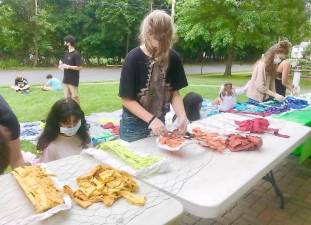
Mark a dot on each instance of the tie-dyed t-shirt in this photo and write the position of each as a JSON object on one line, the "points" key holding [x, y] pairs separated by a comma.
{"points": [[150, 83]]}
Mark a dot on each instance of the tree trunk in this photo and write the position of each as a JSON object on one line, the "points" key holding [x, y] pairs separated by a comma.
{"points": [[231, 54], [35, 45], [173, 10], [35, 39], [151, 5], [127, 43]]}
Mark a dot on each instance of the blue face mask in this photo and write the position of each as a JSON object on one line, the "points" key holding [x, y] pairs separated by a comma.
{"points": [[70, 131]]}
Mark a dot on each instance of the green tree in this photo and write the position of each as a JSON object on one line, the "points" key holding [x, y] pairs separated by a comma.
{"points": [[7, 31], [28, 26], [236, 24], [102, 28], [119, 23]]}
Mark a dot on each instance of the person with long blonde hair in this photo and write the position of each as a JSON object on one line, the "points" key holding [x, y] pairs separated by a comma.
{"points": [[262, 84], [151, 78]]}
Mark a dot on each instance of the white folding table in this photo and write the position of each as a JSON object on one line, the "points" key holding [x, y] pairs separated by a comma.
{"points": [[207, 182]]}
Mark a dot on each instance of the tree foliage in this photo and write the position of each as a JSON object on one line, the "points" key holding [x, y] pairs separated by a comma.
{"points": [[237, 24], [109, 29]]}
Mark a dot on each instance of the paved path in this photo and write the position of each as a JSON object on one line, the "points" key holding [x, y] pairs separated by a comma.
{"points": [[37, 76]]}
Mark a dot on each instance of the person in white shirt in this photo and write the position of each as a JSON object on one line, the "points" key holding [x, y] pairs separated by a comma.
{"points": [[227, 96]]}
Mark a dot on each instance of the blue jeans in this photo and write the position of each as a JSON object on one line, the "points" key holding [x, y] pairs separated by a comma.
{"points": [[132, 128]]}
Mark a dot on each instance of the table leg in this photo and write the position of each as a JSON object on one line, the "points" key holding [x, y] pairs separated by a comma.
{"points": [[270, 178]]}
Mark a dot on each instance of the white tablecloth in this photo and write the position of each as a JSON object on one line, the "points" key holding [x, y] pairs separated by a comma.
{"points": [[159, 208]]}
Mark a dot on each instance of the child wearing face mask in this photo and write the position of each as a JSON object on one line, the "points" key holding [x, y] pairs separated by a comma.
{"points": [[65, 132]]}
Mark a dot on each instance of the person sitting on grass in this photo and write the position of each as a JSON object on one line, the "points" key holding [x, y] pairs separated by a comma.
{"points": [[52, 84], [65, 132], [227, 96], [21, 85]]}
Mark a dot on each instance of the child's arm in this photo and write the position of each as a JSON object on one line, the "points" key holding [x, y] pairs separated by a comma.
{"points": [[217, 101], [242, 90]]}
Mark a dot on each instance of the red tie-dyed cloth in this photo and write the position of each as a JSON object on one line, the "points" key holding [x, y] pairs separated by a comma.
{"points": [[258, 125]]}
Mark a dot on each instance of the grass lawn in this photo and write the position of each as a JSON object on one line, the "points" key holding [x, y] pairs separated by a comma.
{"points": [[103, 97], [36, 105]]}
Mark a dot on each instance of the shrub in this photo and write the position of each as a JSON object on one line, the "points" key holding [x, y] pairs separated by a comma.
{"points": [[9, 63]]}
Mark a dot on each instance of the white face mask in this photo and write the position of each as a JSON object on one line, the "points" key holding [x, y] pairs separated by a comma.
{"points": [[277, 60], [70, 131]]}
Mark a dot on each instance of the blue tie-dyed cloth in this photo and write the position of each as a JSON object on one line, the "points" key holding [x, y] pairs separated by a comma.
{"points": [[272, 106], [208, 108]]}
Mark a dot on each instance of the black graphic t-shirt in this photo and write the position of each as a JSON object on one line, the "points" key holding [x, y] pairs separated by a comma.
{"points": [[8, 119], [149, 83], [72, 76]]}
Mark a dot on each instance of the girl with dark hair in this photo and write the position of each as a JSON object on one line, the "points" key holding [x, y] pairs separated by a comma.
{"points": [[65, 131], [192, 103]]}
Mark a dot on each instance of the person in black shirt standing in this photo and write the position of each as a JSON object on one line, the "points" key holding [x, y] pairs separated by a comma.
{"points": [[151, 78], [71, 64], [9, 138]]}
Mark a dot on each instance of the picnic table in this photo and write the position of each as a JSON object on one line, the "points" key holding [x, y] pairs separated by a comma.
{"points": [[208, 183], [159, 207]]}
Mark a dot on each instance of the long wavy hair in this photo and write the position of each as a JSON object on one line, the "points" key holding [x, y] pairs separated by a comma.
{"points": [[61, 111], [4, 151], [158, 24], [281, 47], [226, 90]]}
